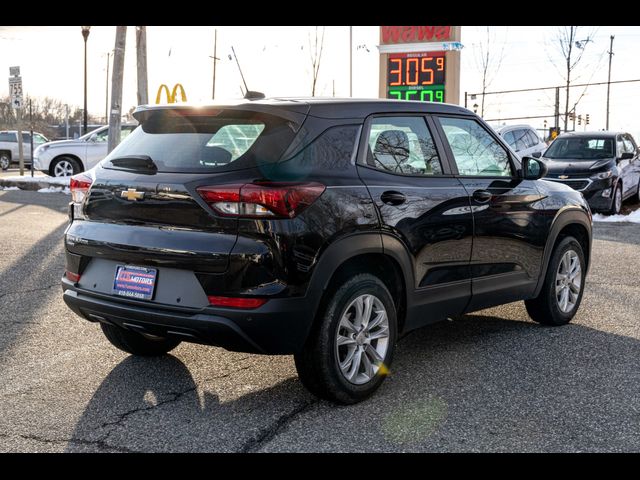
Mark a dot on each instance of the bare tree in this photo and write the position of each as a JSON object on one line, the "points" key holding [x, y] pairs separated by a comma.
{"points": [[572, 47], [48, 114], [488, 63], [315, 52]]}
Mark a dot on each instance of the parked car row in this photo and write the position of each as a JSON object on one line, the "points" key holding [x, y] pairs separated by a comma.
{"points": [[603, 166], [9, 148]]}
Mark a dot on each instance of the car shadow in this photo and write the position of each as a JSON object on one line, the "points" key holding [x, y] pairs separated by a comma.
{"points": [[154, 404], [479, 383]]}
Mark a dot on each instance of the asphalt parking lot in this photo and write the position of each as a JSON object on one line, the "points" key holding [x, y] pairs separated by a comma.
{"points": [[490, 381]]}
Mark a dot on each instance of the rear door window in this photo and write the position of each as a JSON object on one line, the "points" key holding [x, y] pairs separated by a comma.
{"points": [[510, 139], [402, 145], [520, 137], [532, 139]]}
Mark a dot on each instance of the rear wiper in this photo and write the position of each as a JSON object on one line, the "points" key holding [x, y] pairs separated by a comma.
{"points": [[135, 162]]}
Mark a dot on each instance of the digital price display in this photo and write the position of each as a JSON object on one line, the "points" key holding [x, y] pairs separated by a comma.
{"points": [[416, 76]]}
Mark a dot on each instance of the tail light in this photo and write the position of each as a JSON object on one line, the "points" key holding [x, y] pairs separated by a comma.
{"points": [[261, 200], [237, 302], [79, 186], [74, 277]]}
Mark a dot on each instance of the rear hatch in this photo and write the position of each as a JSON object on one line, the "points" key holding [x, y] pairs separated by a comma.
{"points": [[143, 206]]}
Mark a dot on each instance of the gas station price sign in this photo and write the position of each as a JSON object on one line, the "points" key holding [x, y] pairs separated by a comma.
{"points": [[416, 76]]}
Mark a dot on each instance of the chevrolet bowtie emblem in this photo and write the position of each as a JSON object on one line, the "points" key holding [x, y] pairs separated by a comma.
{"points": [[132, 195], [562, 177]]}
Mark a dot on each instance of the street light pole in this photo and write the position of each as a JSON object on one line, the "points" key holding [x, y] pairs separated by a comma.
{"points": [[85, 35]]}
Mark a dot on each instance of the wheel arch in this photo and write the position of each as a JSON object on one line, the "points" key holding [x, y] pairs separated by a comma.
{"points": [[362, 252], [575, 222]]}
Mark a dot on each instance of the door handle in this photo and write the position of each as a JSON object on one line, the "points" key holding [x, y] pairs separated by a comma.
{"points": [[393, 198], [482, 196]]}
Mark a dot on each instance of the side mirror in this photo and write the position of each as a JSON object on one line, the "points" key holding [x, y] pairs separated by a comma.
{"points": [[626, 156], [533, 169], [536, 154], [93, 138]]}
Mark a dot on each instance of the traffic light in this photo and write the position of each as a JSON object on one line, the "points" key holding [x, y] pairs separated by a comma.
{"points": [[586, 120], [579, 119], [572, 116]]}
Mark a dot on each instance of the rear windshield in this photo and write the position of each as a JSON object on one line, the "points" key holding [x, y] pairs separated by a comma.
{"points": [[217, 141], [580, 148]]}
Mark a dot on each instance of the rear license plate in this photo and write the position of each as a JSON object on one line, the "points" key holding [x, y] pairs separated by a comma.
{"points": [[135, 282]]}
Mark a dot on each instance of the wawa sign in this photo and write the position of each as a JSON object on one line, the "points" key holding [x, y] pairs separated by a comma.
{"points": [[394, 35], [420, 63]]}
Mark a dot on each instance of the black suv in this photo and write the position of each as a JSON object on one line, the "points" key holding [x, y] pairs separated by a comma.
{"points": [[603, 166], [321, 228]]}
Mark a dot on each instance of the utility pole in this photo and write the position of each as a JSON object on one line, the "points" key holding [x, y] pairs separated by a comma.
{"points": [[215, 60], [106, 96], [116, 87], [610, 52], [350, 61], [141, 54], [557, 113], [67, 122]]}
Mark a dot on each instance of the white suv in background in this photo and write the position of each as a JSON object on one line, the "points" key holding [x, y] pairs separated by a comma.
{"points": [[523, 139], [68, 157]]}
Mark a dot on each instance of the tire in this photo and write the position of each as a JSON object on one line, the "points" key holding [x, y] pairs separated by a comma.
{"points": [[136, 343], [637, 199], [64, 167], [616, 200], [5, 160], [318, 363], [547, 308]]}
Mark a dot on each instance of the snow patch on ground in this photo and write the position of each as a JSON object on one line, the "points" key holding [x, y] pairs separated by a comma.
{"points": [[40, 178], [633, 217], [55, 190], [9, 188]]}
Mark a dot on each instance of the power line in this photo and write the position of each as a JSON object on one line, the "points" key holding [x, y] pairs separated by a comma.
{"points": [[561, 86]]}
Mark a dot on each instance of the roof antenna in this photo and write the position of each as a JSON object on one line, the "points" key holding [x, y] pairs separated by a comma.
{"points": [[249, 94]]}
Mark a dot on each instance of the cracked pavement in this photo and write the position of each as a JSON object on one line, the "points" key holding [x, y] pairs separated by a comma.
{"points": [[490, 381]]}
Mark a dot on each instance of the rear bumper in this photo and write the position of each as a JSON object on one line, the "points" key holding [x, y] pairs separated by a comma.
{"points": [[278, 327]]}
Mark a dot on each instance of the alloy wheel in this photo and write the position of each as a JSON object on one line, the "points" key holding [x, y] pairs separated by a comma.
{"points": [[63, 169], [362, 339], [568, 281]]}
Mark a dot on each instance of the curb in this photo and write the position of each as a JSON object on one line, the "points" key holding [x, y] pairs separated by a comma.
{"points": [[30, 185]]}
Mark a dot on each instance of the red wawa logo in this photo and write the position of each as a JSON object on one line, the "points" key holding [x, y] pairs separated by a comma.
{"points": [[396, 34]]}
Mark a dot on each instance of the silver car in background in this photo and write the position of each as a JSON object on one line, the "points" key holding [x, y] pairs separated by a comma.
{"points": [[68, 157], [9, 148], [523, 139]]}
